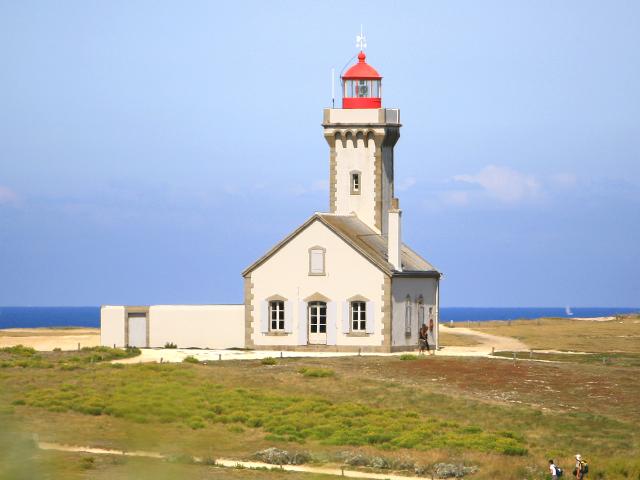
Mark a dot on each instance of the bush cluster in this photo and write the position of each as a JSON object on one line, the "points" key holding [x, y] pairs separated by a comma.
{"points": [[27, 357], [408, 356], [316, 372], [155, 393]]}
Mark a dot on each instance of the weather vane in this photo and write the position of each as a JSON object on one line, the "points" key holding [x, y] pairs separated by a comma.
{"points": [[361, 41]]}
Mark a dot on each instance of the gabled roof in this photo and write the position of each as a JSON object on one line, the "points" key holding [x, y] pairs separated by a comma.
{"points": [[365, 241]]}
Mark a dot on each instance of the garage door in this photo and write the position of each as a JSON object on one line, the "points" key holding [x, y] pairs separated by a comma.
{"points": [[137, 330]]}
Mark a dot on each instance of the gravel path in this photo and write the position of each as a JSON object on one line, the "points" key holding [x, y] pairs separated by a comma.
{"points": [[231, 463]]}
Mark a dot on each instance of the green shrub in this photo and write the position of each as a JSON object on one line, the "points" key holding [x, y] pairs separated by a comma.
{"points": [[19, 350], [408, 356], [268, 361], [87, 463], [169, 393], [197, 423], [316, 372], [191, 359], [170, 345]]}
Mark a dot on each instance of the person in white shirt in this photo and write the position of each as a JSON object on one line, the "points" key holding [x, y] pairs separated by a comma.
{"points": [[554, 470]]}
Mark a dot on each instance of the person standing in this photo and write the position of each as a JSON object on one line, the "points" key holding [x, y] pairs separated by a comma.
{"points": [[581, 469], [423, 341], [554, 470]]}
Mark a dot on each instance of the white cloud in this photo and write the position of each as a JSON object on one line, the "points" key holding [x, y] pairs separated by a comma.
{"points": [[564, 180], [8, 196], [406, 183], [456, 197], [504, 184]]}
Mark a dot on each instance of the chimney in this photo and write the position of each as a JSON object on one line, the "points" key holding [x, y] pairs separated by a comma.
{"points": [[394, 239]]}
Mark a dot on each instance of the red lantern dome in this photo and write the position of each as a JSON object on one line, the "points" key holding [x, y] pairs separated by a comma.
{"points": [[362, 86]]}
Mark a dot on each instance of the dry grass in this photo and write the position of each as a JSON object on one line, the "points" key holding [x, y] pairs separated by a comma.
{"points": [[448, 339], [548, 407], [570, 335]]}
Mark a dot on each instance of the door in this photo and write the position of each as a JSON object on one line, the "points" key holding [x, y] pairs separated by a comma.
{"points": [[317, 323], [137, 330]]}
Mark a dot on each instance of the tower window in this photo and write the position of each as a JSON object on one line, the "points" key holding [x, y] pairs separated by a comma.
{"points": [[355, 183], [316, 261]]}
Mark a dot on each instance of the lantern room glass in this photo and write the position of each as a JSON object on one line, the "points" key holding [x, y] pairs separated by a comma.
{"points": [[362, 89]]}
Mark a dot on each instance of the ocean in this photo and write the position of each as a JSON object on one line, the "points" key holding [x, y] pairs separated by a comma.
{"points": [[32, 317]]}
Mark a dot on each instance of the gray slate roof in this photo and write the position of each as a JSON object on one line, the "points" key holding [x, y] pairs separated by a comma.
{"points": [[366, 241]]}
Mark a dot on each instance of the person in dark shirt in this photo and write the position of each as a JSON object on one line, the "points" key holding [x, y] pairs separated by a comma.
{"points": [[424, 338]]}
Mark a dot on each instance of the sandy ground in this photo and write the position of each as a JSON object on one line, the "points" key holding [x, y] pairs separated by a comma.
{"points": [[46, 339]]}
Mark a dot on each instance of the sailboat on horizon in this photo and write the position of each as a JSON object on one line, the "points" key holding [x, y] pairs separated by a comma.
{"points": [[568, 311]]}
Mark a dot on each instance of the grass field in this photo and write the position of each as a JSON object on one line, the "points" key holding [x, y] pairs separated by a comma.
{"points": [[506, 419], [570, 335], [450, 340]]}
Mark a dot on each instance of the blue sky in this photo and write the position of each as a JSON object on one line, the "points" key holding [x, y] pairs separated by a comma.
{"points": [[150, 151]]}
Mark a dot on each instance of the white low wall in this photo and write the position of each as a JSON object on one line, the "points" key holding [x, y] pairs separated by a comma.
{"points": [[199, 326], [112, 326]]}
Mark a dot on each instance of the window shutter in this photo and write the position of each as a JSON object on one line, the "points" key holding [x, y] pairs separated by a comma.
{"points": [[371, 317], [288, 316], [317, 261], [302, 324], [345, 318], [264, 316], [331, 323]]}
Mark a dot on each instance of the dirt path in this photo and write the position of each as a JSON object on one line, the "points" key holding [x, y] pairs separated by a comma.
{"points": [[230, 463], [68, 339], [487, 343]]}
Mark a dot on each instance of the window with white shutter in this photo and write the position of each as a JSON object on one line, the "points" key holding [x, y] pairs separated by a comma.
{"points": [[317, 261], [276, 316], [358, 317]]}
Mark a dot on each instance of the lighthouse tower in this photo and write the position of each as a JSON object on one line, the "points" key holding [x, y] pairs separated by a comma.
{"points": [[361, 137]]}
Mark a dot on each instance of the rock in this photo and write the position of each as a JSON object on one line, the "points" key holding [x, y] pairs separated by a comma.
{"points": [[379, 462], [447, 470], [275, 456], [300, 458], [357, 460], [404, 464]]}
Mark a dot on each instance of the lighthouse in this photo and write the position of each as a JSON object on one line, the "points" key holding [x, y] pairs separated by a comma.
{"points": [[343, 281], [361, 137]]}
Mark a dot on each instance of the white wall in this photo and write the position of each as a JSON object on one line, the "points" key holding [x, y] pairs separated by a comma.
{"points": [[286, 274], [112, 326], [357, 155], [199, 326], [414, 288], [202, 326]]}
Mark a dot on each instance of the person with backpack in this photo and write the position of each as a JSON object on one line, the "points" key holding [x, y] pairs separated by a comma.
{"points": [[582, 467], [556, 472]]}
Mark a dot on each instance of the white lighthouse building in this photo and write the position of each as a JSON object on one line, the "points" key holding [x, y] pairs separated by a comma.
{"points": [[342, 281]]}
